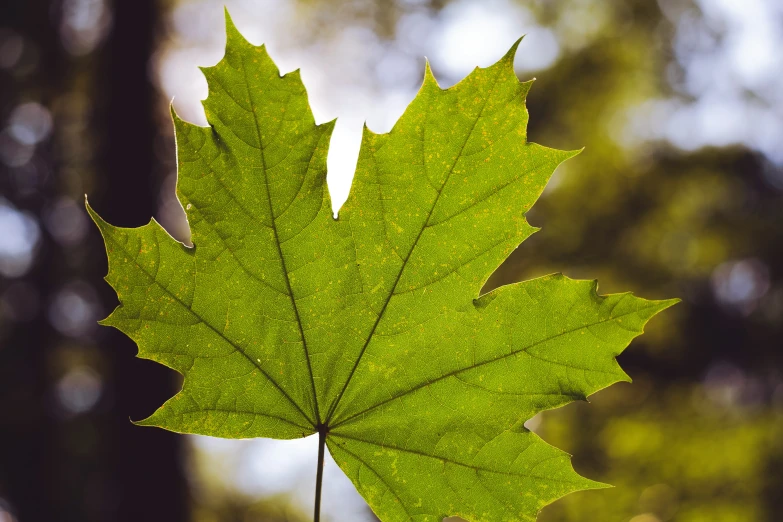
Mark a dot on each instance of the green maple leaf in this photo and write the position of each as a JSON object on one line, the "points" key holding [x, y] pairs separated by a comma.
{"points": [[369, 329]]}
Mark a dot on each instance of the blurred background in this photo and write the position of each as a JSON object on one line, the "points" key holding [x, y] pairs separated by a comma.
{"points": [[679, 192]]}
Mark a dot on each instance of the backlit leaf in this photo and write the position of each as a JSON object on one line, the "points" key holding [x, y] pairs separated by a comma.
{"points": [[371, 327]]}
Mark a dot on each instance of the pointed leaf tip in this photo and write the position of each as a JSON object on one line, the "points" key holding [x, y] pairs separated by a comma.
{"points": [[429, 77], [512, 52], [367, 131], [173, 112], [233, 36], [98, 220], [145, 422], [668, 303], [229, 22]]}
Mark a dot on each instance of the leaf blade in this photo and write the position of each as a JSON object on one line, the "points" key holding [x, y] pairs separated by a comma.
{"points": [[155, 322], [454, 411], [370, 327]]}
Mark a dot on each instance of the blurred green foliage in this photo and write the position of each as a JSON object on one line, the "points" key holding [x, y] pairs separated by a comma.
{"points": [[671, 453]]}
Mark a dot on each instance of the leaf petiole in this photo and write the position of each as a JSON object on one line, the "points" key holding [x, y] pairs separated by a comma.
{"points": [[320, 473]]}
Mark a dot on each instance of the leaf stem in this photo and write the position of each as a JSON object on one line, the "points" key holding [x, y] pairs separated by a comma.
{"points": [[320, 474]]}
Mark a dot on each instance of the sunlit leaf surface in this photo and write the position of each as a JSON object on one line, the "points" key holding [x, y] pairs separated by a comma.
{"points": [[371, 327]]}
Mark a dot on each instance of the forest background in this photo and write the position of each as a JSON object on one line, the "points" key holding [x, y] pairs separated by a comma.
{"points": [[679, 192]]}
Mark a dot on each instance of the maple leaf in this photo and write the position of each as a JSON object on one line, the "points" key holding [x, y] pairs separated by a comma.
{"points": [[369, 329]]}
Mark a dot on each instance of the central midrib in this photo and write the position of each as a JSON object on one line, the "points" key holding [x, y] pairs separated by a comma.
{"points": [[336, 403], [280, 252]]}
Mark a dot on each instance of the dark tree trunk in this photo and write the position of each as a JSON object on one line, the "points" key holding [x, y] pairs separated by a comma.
{"points": [[94, 466]]}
